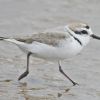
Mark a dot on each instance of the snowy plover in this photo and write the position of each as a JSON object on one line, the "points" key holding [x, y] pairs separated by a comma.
{"points": [[57, 44]]}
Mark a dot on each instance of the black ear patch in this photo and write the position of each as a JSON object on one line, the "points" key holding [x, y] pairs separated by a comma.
{"points": [[77, 32], [81, 32], [84, 32]]}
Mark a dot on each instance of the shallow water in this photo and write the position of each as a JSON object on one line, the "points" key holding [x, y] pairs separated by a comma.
{"points": [[24, 17]]}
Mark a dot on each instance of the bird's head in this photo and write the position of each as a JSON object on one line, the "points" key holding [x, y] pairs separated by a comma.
{"points": [[81, 31]]}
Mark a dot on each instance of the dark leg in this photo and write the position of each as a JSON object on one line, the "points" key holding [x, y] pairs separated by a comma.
{"points": [[60, 69], [27, 70]]}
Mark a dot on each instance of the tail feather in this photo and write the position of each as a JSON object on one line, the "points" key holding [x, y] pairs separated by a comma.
{"points": [[21, 45], [10, 40], [2, 38]]}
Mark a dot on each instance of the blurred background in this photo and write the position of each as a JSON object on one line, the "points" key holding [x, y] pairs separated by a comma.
{"points": [[24, 17]]}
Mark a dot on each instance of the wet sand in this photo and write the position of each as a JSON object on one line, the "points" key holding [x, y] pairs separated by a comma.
{"points": [[24, 17]]}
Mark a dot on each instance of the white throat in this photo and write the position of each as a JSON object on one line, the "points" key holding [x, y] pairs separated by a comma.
{"points": [[83, 39]]}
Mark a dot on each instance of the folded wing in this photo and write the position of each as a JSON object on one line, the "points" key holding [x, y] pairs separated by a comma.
{"points": [[48, 37]]}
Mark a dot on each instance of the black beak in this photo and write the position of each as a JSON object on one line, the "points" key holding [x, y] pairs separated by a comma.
{"points": [[95, 37]]}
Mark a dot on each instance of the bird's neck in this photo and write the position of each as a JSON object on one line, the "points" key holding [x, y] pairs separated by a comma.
{"points": [[83, 39]]}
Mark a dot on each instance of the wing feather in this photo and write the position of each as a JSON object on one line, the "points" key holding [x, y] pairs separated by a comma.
{"points": [[48, 37]]}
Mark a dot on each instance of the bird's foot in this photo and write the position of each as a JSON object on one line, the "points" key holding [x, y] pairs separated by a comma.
{"points": [[23, 75], [74, 83]]}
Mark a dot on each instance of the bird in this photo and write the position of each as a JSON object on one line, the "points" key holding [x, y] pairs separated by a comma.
{"points": [[55, 44]]}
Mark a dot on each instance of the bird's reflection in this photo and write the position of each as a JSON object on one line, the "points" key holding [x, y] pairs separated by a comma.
{"points": [[25, 92]]}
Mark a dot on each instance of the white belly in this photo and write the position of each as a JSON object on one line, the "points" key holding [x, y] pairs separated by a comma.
{"points": [[55, 53]]}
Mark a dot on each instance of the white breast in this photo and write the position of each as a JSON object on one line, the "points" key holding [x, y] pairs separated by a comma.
{"points": [[65, 50]]}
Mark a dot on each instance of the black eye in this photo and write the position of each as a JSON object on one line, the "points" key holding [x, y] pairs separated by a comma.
{"points": [[87, 27], [84, 32]]}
